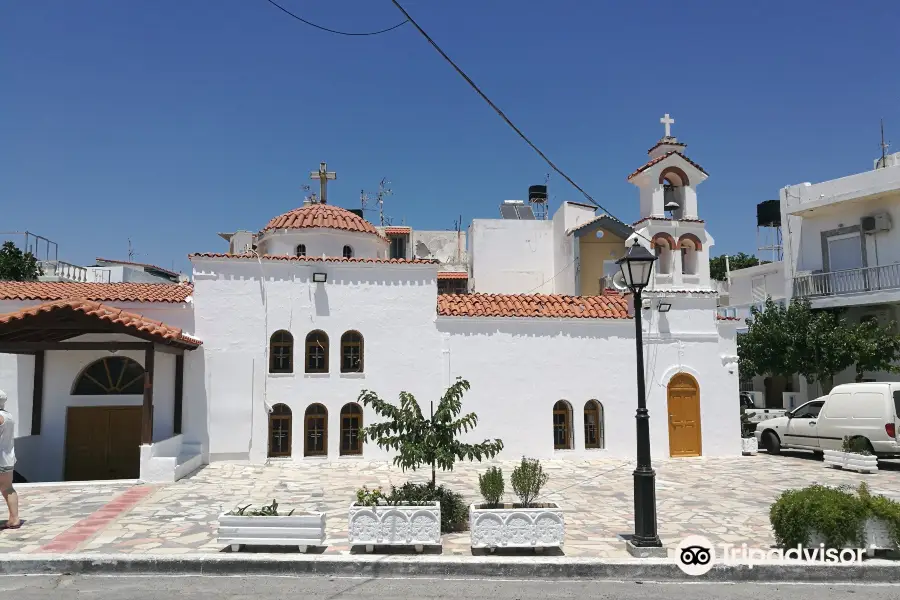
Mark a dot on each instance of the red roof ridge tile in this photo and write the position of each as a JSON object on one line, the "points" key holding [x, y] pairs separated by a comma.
{"points": [[107, 313], [96, 292], [327, 216], [608, 306], [661, 158], [335, 259]]}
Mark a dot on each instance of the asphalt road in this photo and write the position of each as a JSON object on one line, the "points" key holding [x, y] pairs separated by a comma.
{"points": [[325, 588]]}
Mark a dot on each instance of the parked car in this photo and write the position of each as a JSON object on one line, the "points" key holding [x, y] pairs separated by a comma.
{"points": [[856, 410]]}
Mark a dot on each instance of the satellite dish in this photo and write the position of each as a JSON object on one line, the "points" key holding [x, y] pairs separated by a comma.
{"points": [[618, 282]]}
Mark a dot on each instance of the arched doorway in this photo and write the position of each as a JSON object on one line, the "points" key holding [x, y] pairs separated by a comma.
{"points": [[684, 416]]}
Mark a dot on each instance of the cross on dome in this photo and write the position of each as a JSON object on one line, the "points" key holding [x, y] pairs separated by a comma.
{"points": [[323, 175], [666, 120]]}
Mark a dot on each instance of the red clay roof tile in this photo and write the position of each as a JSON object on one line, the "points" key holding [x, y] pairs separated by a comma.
{"points": [[452, 275], [612, 306], [663, 157], [111, 314], [322, 215], [337, 259], [397, 230], [98, 292]]}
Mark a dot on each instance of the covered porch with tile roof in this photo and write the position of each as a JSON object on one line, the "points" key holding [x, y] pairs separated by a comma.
{"points": [[118, 358]]}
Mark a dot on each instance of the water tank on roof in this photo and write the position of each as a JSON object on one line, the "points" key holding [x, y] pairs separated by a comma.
{"points": [[768, 213], [537, 193]]}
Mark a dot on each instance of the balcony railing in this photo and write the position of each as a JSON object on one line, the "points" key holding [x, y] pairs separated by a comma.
{"points": [[64, 271], [851, 281]]}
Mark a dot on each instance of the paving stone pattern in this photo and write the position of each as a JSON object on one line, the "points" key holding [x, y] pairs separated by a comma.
{"points": [[726, 500]]}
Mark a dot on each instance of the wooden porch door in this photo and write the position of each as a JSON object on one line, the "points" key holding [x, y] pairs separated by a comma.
{"points": [[684, 416], [103, 442]]}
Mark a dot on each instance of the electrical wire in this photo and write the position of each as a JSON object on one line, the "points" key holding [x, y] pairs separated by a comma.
{"points": [[311, 24], [503, 116]]}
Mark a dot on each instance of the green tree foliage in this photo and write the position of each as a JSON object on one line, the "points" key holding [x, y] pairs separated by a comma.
{"points": [[817, 344], [876, 348], [427, 441], [16, 265], [739, 261]]}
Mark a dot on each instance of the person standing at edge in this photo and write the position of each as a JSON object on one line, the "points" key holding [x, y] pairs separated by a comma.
{"points": [[7, 464]]}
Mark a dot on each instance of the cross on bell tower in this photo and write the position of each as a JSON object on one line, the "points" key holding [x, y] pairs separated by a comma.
{"points": [[668, 122], [323, 175]]}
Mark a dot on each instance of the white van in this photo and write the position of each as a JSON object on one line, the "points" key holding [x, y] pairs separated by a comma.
{"points": [[856, 410]]}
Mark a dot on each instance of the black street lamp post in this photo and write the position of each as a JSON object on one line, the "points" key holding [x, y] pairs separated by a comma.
{"points": [[636, 266]]}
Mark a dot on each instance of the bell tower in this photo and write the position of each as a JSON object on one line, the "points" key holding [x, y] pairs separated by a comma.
{"points": [[670, 218]]}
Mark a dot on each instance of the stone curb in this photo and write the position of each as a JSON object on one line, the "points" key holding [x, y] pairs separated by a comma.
{"points": [[440, 567]]}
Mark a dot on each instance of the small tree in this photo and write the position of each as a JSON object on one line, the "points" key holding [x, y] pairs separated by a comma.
{"points": [[829, 348], [427, 441], [740, 260], [527, 480], [16, 265], [875, 348]]}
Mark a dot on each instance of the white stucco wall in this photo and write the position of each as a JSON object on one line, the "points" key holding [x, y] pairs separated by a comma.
{"points": [[752, 285], [448, 247], [511, 256], [322, 242], [535, 362], [392, 306]]}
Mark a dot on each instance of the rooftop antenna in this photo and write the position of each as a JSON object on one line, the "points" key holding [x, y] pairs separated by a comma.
{"points": [[130, 251], [884, 146], [363, 200], [383, 191]]}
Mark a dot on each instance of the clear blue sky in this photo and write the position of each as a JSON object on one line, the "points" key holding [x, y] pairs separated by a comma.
{"points": [[167, 121]]}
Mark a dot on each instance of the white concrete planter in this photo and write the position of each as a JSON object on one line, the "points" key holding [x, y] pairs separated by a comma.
{"points": [[876, 536], [400, 525], [850, 461], [749, 446], [511, 527], [295, 530]]}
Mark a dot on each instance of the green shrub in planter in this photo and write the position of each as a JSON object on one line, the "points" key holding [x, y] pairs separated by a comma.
{"points": [[527, 480], [882, 508], [491, 486], [835, 513]]}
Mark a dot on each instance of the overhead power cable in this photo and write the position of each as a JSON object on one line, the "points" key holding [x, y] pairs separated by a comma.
{"points": [[498, 111], [311, 24]]}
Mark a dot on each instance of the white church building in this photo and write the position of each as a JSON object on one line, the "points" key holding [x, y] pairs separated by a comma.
{"points": [[264, 354]]}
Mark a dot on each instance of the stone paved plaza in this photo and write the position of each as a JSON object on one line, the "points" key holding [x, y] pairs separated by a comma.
{"points": [[726, 500]]}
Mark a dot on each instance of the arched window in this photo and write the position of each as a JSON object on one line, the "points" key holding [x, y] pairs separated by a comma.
{"points": [[317, 352], [110, 375], [351, 426], [663, 244], [593, 425], [352, 352], [688, 256], [281, 352], [301, 249], [315, 434], [562, 426], [348, 252], [280, 431]]}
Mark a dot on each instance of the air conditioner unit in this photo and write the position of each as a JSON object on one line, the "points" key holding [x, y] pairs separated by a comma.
{"points": [[875, 223]]}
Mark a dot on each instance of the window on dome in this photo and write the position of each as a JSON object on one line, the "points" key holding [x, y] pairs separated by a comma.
{"points": [[301, 249], [348, 252]]}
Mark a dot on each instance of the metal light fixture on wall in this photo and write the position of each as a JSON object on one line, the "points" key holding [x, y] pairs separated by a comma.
{"points": [[320, 277], [664, 307]]}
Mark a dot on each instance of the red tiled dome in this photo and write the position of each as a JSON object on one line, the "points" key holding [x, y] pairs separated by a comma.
{"points": [[321, 215]]}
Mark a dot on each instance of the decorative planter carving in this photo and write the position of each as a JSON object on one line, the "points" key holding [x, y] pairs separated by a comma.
{"points": [[295, 530], [876, 536], [850, 461], [511, 527], [749, 446], [400, 525]]}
